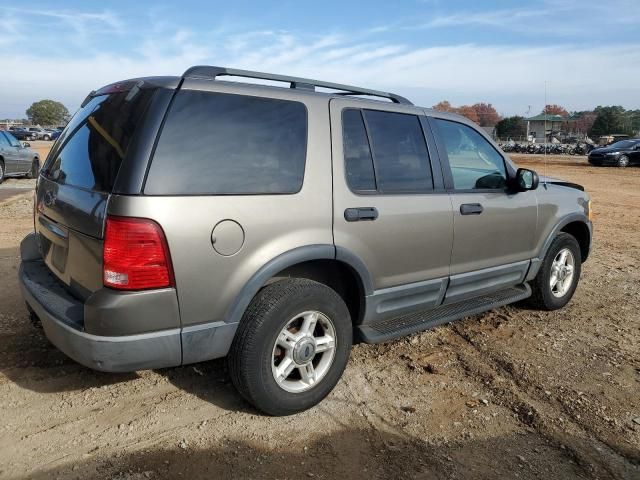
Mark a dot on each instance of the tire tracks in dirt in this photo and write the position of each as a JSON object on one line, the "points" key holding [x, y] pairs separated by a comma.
{"points": [[533, 410]]}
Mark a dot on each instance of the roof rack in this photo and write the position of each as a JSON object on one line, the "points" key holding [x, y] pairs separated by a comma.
{"points": [[204, 71]]}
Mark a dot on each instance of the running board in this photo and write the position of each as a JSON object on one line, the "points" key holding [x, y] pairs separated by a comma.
{"points": [[423, 320]]}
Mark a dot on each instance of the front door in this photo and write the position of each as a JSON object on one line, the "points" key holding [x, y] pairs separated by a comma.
{"points": [[9, 152], [494, 229], [390, 207]]}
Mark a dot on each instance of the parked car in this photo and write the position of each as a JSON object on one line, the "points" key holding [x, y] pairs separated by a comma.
{"points": [[16, 158], [181, 219], [605, 140], [53, 133], [620, 154], [40, 133], [23, 134]]}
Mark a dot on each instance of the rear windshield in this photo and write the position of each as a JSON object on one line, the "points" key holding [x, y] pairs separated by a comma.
{"points": [[217, 144], [90, 150]]}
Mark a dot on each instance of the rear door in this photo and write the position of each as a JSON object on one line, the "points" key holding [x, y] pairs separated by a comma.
{"points": [[494, 228], [390, 209], [78, 178]]}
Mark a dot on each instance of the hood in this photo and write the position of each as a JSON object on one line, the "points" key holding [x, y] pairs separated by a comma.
{"points": [[561, 182]]}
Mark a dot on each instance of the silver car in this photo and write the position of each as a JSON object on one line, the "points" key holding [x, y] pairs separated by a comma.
{"points": [[16, 158], [181, 219]]}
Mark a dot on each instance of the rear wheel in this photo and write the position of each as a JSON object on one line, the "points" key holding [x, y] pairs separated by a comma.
{"points": [[35, 168], [623, 161], [1, 171], [291, 347], [558, 277]]}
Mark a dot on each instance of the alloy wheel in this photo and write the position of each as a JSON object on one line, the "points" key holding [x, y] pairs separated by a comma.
{"points": [[303, 352], [562, 273]]}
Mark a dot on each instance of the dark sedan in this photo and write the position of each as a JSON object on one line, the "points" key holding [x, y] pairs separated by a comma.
{"points": [[621, 154], [23, 134]]}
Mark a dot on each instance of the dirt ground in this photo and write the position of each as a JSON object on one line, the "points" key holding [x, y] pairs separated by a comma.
{"points": [[513, 393]]}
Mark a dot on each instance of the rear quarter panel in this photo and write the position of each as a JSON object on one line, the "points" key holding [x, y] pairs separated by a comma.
{"points": [[208, 283]]}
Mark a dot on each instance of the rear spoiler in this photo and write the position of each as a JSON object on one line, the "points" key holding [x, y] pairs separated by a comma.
{"points": [[132, 86]]}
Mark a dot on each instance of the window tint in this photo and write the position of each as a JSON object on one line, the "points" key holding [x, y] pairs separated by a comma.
{"points": [[214, 143], [3, 140], [89, 152], [399, 152], [357, 155], [475, 164]]}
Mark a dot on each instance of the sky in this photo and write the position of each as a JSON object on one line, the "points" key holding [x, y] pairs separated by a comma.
{"points": [[501, 52]]}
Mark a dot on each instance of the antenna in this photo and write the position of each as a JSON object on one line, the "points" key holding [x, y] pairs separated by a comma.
{"points": [[545, 133]]}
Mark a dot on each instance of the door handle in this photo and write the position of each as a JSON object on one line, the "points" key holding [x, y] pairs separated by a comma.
{"points": [[360, 213], [471, 209]]}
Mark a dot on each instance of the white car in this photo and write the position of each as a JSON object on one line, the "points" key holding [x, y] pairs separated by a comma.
{"points": [[40, 133]]}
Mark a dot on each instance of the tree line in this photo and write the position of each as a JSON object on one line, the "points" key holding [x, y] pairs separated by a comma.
{"points": [[602, 120]]}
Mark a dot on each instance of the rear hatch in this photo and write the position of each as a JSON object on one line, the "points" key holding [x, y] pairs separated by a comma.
{"points": [[77, 179]]}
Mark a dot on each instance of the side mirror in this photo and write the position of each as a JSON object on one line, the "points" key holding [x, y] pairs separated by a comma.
{"points": [[526, 180], [26, 144]]}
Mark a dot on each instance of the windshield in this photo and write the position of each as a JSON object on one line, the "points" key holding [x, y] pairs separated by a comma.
{"points": [[623, 144]]}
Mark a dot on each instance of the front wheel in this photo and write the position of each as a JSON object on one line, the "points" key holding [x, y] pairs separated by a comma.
{"points": [[623, 161], [558, 277], [291, 347]]}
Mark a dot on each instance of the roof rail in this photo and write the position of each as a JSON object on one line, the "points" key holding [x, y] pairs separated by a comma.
{"points": [[204, 71]]}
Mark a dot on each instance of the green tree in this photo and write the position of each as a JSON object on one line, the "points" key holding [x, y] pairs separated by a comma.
{"points": [[47, 112], [609, 120], [634, 121], [511, 127]]}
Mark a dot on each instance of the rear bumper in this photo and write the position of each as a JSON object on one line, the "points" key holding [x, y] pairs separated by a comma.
{"points": [[62, 318]]}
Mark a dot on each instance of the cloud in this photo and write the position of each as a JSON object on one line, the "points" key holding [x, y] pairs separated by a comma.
{"points": [[509, 76]]}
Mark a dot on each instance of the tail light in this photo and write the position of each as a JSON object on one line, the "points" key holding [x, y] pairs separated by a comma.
{"points": [[136, 255]]}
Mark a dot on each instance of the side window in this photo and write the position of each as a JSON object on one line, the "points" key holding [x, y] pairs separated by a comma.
{"points": [[13, 141], [3, 140], [385, 152], [357, 154], [474, 163], [217, 143], [399, 152]]}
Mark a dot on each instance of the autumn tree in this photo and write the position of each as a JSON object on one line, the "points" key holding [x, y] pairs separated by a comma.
{"points": [[488, 116], [444, 106], [584, 121], [469, 112], [554, 109], [482, 113]]}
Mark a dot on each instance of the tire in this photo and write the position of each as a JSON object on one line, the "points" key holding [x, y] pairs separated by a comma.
{"points": [[46, 137], [1, 171], [623, 161], [546, 297], [253, 358], [35, 169]]}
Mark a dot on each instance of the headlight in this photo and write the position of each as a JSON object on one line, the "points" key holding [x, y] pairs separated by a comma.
{"points": [[613, 153]]}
